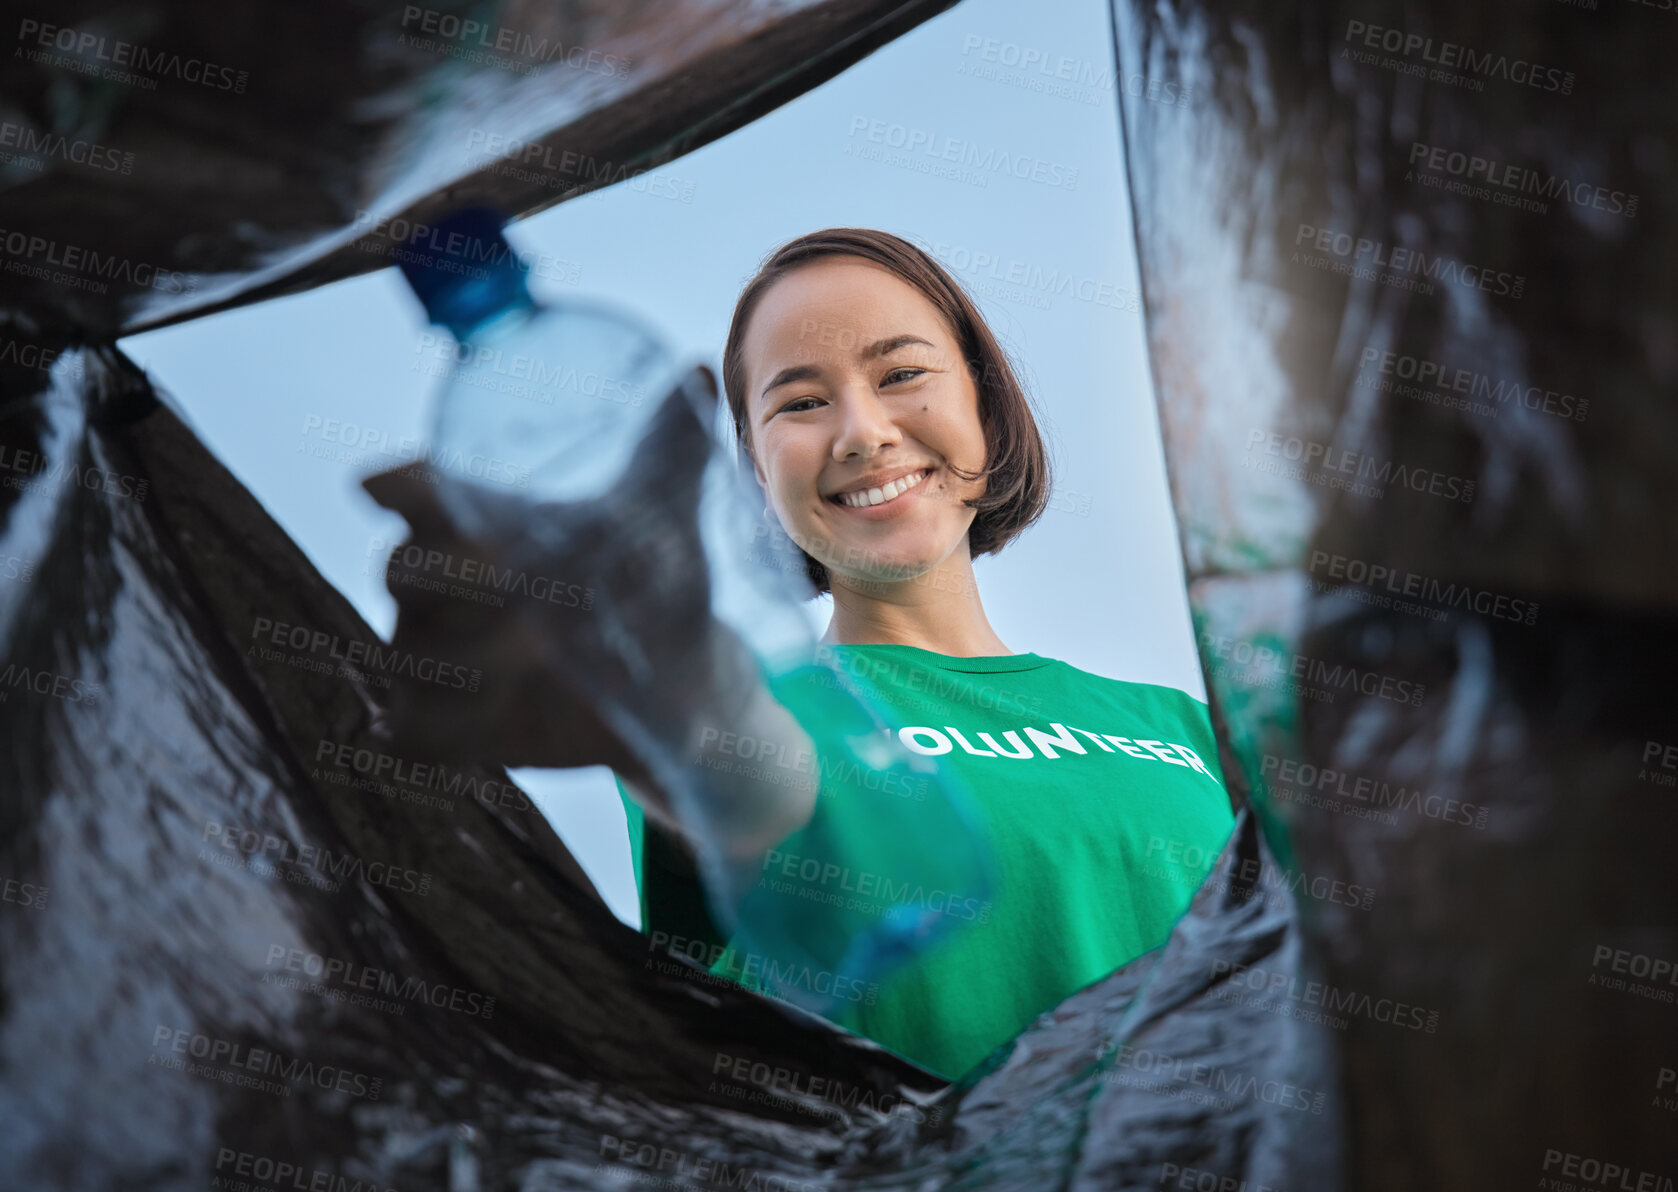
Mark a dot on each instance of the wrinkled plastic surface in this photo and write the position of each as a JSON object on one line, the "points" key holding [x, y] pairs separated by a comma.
{"points": [[598, 1066], [1408, 279], [520, 1036], [327, 132]]}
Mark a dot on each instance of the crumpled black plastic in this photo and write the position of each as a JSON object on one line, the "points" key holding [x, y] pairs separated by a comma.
{"points": [[1517, 654], [596, 1066], [596, 1045]]}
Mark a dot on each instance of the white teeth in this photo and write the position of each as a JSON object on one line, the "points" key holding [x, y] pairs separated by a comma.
{"points": [[886, 492]]}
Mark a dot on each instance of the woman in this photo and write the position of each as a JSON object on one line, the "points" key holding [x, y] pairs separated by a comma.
{"points": [[894, 445]]}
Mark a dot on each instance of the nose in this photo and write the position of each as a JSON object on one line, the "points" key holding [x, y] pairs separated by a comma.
{"points": [[865, 424]]}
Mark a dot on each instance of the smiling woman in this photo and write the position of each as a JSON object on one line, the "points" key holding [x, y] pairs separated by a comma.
{"points": [[894, 444], [854, 361]]}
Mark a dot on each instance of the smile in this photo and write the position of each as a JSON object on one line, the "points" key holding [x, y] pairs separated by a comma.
{"points": [[886, 493]]}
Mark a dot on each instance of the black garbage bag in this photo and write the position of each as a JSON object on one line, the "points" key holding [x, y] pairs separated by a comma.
{"points": [[1408, 278], [243, 940], [248, 940]]}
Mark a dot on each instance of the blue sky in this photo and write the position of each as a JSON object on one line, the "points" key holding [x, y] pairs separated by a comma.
{"points": [[988, 135]]}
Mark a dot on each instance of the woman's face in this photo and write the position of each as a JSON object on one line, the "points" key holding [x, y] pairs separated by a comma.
{"points": [[857, 403]]}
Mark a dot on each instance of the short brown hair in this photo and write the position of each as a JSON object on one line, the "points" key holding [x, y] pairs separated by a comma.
{"points": [[1016, 469]]}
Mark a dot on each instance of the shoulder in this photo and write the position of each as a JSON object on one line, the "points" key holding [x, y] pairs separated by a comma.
{"points": [[1127, 690], [1161, 707]]}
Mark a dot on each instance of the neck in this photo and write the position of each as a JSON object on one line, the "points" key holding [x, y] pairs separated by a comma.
{"points": [[939, 610]]}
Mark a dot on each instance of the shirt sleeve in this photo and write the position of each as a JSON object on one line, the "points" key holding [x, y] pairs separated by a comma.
{"points": [[667, 880]]}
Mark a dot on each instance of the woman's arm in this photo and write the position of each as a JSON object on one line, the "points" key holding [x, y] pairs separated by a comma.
{"points": [[636, 672]]}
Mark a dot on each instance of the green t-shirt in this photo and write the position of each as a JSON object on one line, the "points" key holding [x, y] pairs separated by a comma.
{"points": [[1102, 799]]}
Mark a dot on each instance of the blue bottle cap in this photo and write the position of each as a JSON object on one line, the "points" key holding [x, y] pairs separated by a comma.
{"points": [[462, 269]]}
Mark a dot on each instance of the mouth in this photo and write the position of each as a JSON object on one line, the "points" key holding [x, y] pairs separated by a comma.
{"points": [[885, 494]]}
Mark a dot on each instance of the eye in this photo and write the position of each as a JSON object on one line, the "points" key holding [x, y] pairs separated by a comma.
{"points": [[797, 405], [897, 372]]}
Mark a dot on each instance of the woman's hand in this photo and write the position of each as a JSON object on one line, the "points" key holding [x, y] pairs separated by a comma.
{"points": [[590, 621]]}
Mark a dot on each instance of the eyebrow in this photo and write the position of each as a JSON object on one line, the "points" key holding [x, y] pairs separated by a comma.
{"points": [[804, 372]]}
